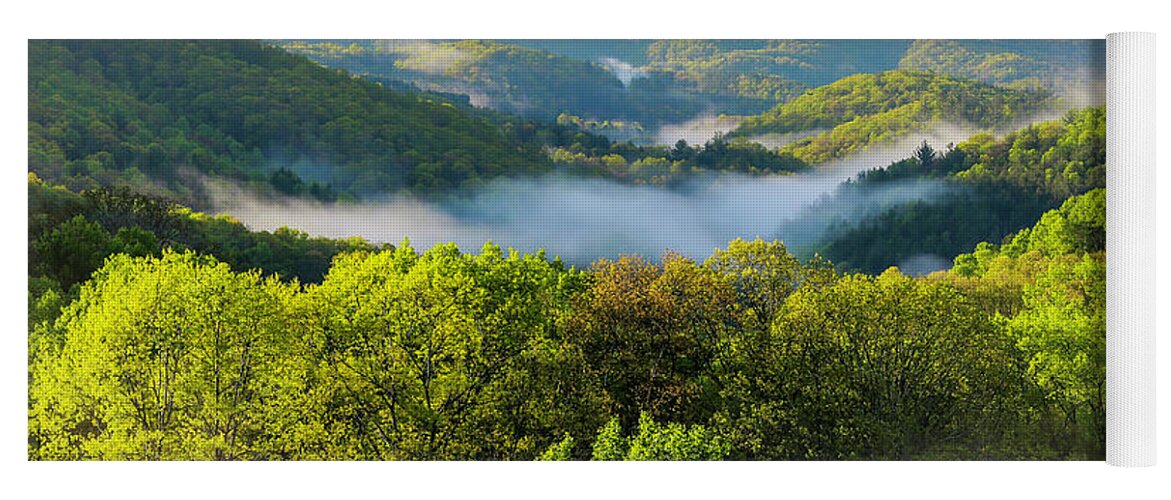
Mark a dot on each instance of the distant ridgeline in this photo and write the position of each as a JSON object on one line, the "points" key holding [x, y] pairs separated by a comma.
{"points": [[647, 83], [997, 186], [520, 80], [749, 76], [1024, 64], [644, 82], [505, 77]]}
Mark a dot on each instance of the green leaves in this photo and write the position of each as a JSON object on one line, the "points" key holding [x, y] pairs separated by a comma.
{"points": [[866, 109], [163, 358], [650, 333], [425, 356], [675, 442], [560, 451], [71, 251], [1047, 287], [898, 366], [654, 441], [445, 355], [137, 113], [1062, 331]]}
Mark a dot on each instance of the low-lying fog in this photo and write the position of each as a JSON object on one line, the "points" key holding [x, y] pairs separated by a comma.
{"points": [[582, 220], [695, 131]]}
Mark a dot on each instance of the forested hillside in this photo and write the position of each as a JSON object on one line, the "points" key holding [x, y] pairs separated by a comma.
{"points": [[518, 80], [1056, 65], [629, 83], [867, 109], [70, 235], [157, 118], [996, 187], [149, 114]]}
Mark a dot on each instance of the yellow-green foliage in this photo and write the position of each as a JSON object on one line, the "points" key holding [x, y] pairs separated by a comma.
{"points": [[1047, 286], [1063, 157], [446, 355], [165, 358], [865, 109]]}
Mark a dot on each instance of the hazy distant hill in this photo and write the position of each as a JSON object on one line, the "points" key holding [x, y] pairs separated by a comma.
{"points": [[770, 71], [645, 81], [1057, 65], [630, 88], [511, 78]]}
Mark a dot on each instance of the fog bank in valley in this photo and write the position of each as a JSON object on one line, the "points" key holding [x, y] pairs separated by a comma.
{"points": [[697, 130], [582, 220]]}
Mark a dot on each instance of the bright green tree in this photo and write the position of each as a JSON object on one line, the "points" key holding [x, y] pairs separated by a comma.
{"points": [[430, 356], [1062, 330], [655, 441], [163, 358]]}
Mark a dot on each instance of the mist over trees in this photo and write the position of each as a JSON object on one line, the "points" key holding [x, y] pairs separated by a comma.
{"points": [[445, 355], [396, 354], [1000, 185], [131, 112], [867, 109], [157, 331]]}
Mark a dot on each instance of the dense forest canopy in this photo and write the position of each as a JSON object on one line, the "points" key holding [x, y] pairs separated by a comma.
{"points": [[157, 330], [131, 112], [446, 355]]}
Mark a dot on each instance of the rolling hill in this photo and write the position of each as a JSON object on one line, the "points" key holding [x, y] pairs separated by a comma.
{"points": [[155, 115], [865, 109]]}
